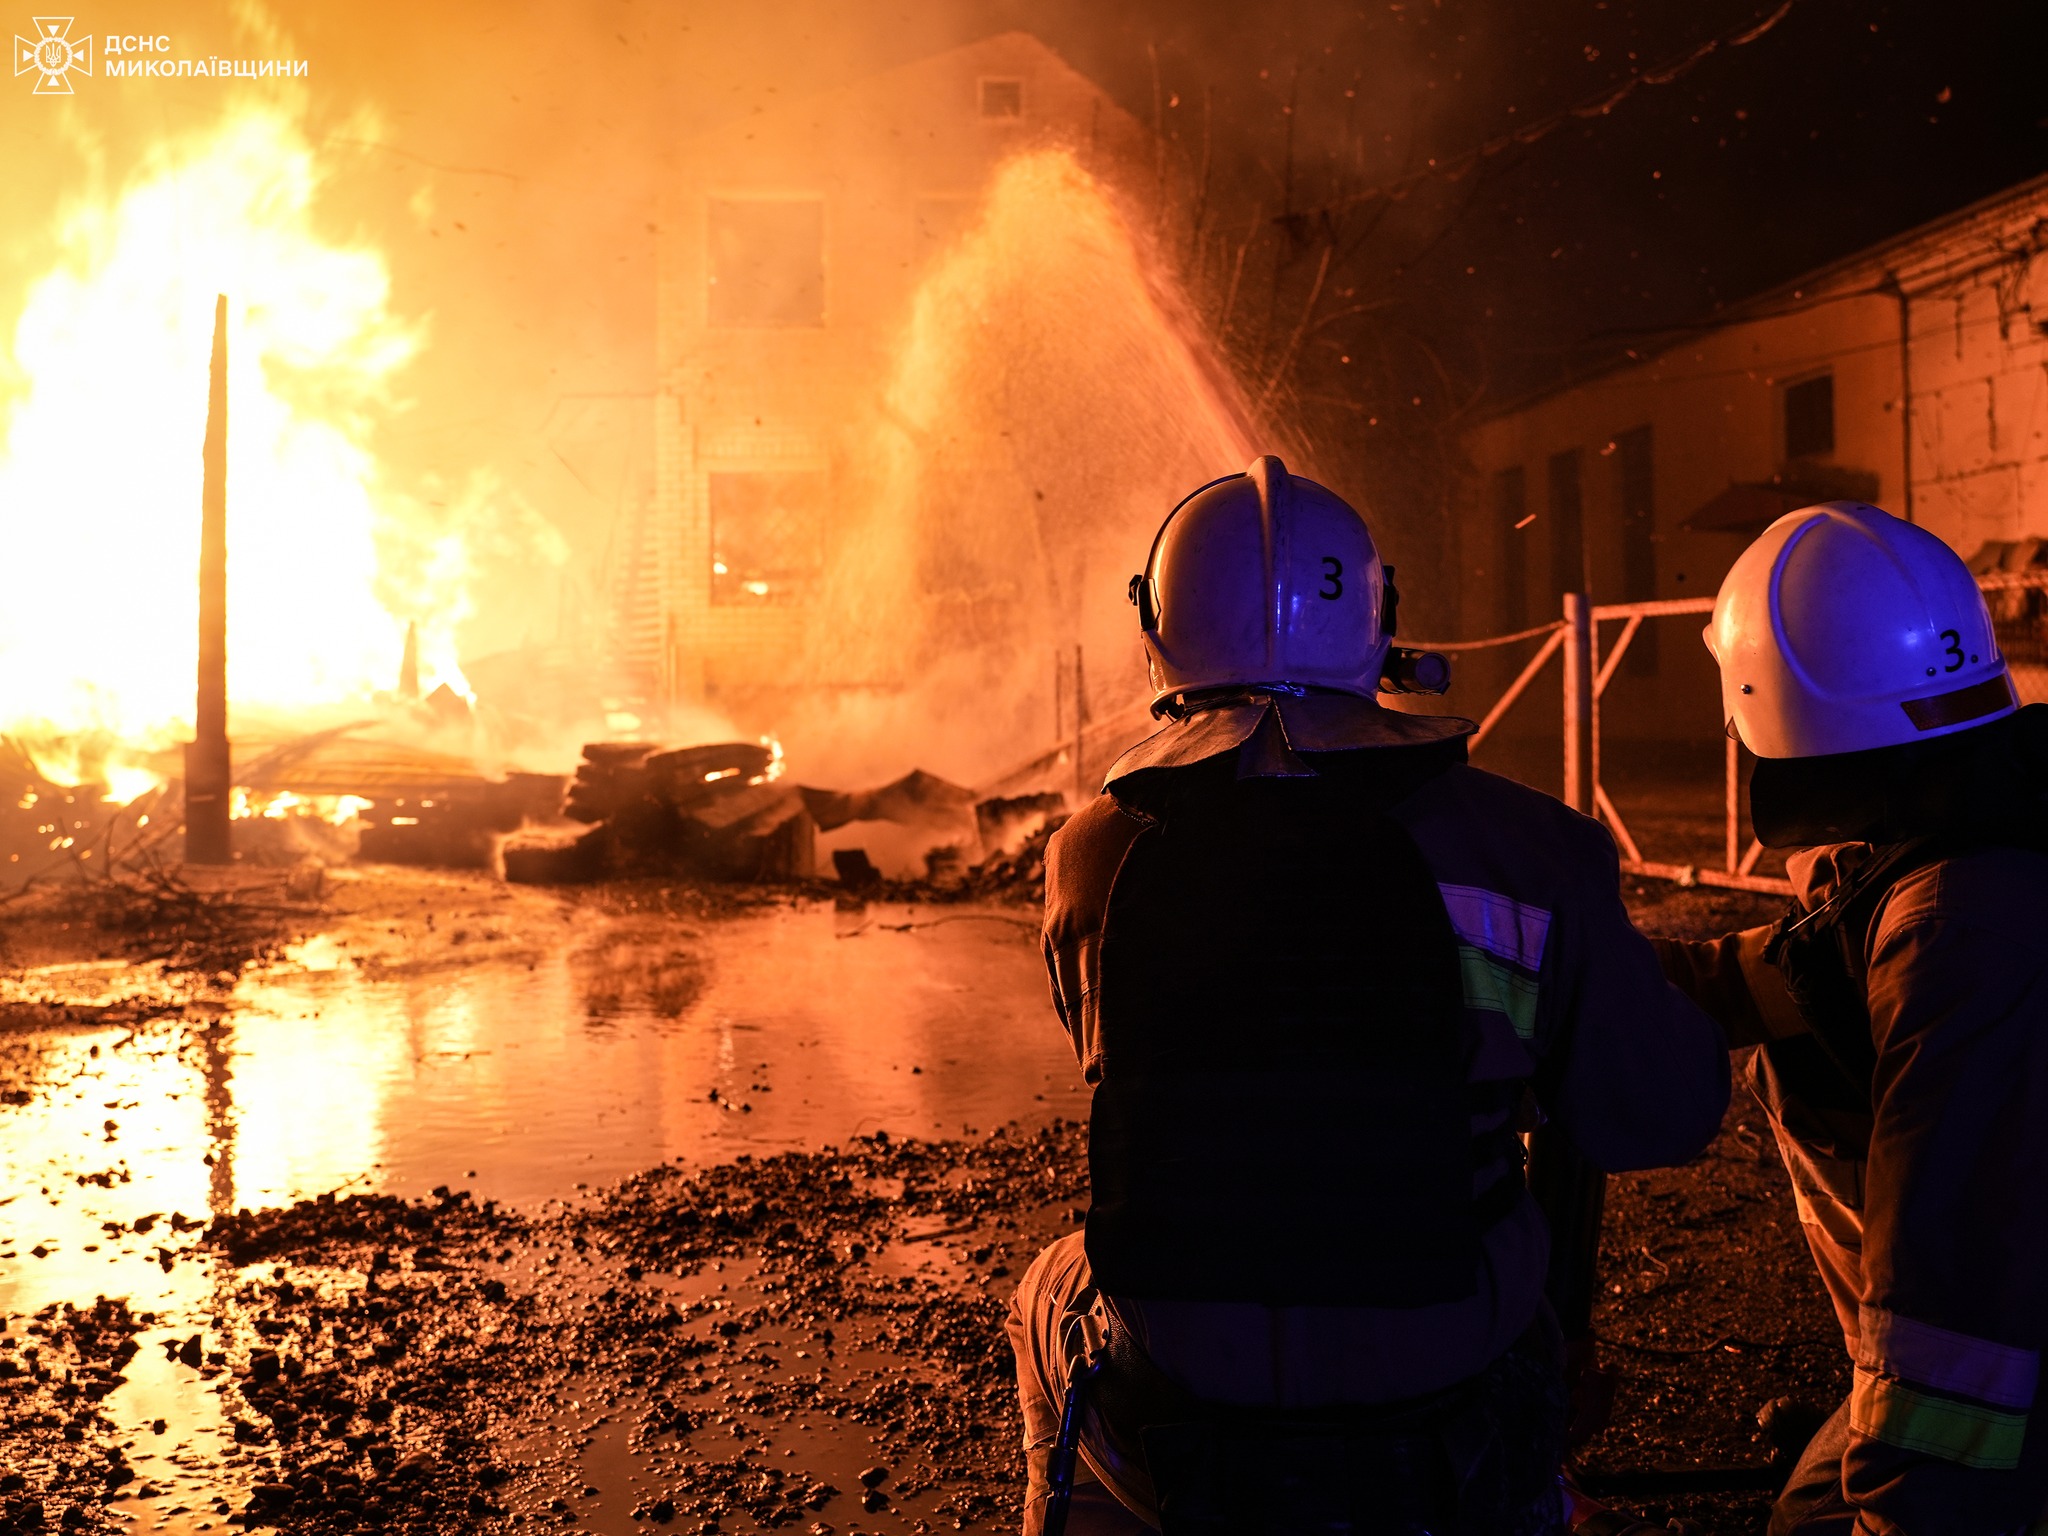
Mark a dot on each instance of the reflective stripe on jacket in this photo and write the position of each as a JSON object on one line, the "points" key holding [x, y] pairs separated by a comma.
{"points": [[1934, 1248]]}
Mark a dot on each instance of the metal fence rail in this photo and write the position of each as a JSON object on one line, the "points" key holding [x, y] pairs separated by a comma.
{"points": [[1739, 863], [1587, 672]]}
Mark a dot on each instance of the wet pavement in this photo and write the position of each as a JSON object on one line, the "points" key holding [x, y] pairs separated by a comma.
{"points": [[463, 1035], [543, 1233]]}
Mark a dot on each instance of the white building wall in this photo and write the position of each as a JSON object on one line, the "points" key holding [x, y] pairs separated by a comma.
{"points": [[1974, 384]]}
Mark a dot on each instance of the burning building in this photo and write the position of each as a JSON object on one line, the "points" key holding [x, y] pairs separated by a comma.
{"points": [[923, 392], [922, 398]]}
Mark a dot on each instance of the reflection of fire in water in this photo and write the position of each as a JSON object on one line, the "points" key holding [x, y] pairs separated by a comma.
{"points": [[1048, 406], [99, 477]]}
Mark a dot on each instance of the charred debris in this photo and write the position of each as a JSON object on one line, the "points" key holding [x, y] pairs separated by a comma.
{"points": [[725, 813], [721, 813]]}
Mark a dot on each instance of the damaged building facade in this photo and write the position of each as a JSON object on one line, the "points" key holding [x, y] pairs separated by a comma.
{"points": [[1913, 375], [792, 242]]}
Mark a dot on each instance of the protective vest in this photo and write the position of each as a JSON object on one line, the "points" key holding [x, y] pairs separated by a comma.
{"points": [[1282, 1114]]}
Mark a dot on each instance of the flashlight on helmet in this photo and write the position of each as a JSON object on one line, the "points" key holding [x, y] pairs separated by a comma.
{"points": [[1407, 671]]}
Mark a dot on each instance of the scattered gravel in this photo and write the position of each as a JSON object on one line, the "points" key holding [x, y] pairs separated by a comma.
{"points": [[58, 1459], [1710, 1309], [849, 1365], [814, 1340]]}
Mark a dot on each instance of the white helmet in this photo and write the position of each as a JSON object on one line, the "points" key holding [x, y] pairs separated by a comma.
{"points": [[1262, 578], [1843, 628]]}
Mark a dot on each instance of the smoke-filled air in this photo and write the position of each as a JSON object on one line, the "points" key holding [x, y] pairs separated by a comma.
{"points": [[1040, 402], [1046, 405]]}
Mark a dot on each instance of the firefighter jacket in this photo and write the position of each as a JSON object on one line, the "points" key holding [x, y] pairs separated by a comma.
{"points": [[1509, 912], [1919, 1186]]}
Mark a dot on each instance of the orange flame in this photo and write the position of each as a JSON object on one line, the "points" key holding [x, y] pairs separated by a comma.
{"points": [[100, 467]]}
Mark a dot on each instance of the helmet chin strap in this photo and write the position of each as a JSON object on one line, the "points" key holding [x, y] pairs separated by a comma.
{"points": [[1405, 672], [1182, 705]]}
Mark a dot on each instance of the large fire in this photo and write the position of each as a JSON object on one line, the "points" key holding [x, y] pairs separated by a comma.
{"points": [[1042, 404], [100, 472]]}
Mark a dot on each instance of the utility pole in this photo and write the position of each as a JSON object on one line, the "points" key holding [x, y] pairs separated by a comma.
{"points": [[1578, 702], [208, 772], [1571, 1191]]}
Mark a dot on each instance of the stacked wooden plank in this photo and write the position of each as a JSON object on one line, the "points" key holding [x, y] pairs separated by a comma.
{"points": [[709, 812]]}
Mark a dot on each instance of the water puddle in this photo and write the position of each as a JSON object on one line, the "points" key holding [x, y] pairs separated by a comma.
{"points": [[538, 1071]]}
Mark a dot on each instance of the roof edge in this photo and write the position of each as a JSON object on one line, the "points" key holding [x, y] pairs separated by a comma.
{"points": [[1664, 339]]}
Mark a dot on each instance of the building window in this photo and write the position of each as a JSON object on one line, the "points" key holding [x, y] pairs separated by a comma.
{"points": [[1567, 538], [1810, 418], [767, 537], [1511, 500], [767, 261], [1002, 99], [1634, 468]]}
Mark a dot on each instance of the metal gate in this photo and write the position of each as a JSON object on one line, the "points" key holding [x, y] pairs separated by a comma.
{"points": [[2019, 617]]}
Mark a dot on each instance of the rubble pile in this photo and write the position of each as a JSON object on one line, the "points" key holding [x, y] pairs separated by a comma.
{"points": [[457, 827], [719, 813], [1007, 877], [421, 806], [918, 799], [724, 813], [711, 812], [59, 1460]]}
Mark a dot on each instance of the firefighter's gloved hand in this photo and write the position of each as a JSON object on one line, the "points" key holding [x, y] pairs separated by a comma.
{"points": [[1732, 981]]}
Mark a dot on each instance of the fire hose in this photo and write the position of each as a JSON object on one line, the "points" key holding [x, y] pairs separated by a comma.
{"points": [[1066, 1451]]}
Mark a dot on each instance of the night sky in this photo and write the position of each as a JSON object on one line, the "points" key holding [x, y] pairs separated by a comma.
{"points": [[1848, 121]]}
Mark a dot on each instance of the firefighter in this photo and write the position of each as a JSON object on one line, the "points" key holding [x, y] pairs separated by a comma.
{"points": [[1900, 1008], [1320, 974]]}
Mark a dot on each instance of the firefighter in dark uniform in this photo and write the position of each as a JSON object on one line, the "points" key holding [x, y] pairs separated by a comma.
{"points": [[1900, 1010], [1320, 974]]}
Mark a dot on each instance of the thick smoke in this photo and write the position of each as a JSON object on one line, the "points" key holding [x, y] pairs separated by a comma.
{"points": [[1047, 406]]}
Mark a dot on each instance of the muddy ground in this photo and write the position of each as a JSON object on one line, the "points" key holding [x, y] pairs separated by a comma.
{"points": [[809, 1340]]}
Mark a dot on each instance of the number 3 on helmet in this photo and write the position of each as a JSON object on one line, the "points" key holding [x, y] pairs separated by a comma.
{"points": [[1843, 628], [1263, 579]]}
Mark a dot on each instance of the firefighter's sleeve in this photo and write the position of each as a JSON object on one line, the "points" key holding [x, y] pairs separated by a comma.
{"points": [[1081, 862], [1947, 1433], [1642, 1079], [1729, 978]]}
